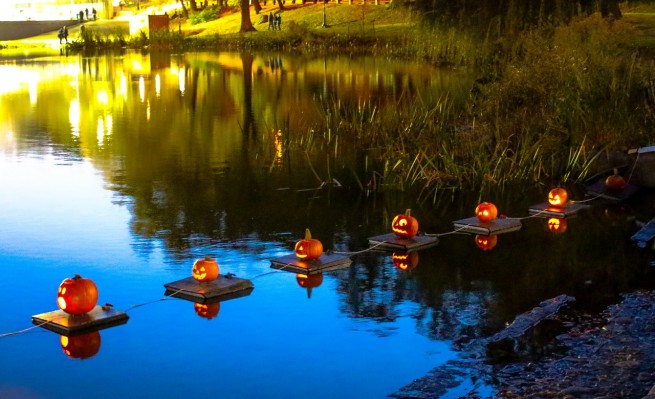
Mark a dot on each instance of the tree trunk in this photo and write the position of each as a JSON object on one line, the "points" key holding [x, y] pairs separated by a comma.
{"points": [[246, 23], [258, 7], [193, 5], [281, 3]]}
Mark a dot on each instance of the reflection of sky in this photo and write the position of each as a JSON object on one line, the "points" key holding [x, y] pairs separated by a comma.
{"points": [[56, 219]]}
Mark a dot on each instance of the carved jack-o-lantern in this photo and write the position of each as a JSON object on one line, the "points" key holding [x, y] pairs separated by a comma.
{"points": [[557, 197], [77, 295], [207, 310], [615, 182], [405, 226], [486, 212], [486, 243], [81, 346], [556, 225], [309, 281], [205, 270], [405, 261], [308, 248]]}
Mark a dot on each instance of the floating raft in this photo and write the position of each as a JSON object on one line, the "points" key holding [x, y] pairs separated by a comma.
{"points": [[66, 324], [392, 242], [643, 236], [223, 288], [598, 189], [496, 226], [326, 263], [546, 209]]}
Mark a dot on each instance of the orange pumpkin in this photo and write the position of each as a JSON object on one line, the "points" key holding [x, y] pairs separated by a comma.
{"points": [[309, 281], [405, 226], [81, 346], [205, 270], [615, 182], [77, 295], [207, 310], [308, 248], [486, 212], [486, 243], [405, 261], [557, 226], [558, 197]]}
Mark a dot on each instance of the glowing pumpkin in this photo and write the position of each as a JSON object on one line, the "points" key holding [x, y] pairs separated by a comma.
{"points": [[557, 226], [615, 182], [405, 261], [77, 295], [207, 310], [309, 281], [81, 346], [205, 270], [558, 197], [405, 226], [486, 212], [486, 243], [308, 248]]}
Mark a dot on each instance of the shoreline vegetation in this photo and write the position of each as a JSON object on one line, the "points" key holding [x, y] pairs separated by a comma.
{"points": [[547, 106]]}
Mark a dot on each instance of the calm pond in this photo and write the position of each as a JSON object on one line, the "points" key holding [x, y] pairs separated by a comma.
{"points": [[127, 168]]}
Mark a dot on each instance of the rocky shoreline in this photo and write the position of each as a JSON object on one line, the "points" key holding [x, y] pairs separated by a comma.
{"points": [[610, 355]]}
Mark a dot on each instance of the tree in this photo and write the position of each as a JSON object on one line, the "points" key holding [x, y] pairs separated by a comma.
{"points": [[184, 10], [246, 23], [258, 7]]}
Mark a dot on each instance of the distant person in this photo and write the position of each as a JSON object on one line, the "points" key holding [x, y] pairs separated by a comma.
{"points": [[81, 15], [86, 12], [60, 35], [95, 14], [65, 33], [271, 21], [278, 22]]}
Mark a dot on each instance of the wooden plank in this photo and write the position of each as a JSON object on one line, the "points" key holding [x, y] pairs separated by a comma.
{"points": [[598, 189], [548, 210], [327, 262], [644, 235], [222, 288], [392, 242], [496, 226], [525, 322], [63, 323]]}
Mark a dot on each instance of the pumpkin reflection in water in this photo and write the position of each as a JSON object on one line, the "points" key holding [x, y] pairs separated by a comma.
{"points": [[486, 212], [77, 295], [486, 243], [207, 310], [405, 261], [81, 346], [557, 226], [405, 226], [205, 270], [309, 281], [558, 197], [308, 248]]}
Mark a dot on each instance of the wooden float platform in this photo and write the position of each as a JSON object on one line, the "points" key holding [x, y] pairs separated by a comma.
{"points": [[496, 226], [392, 242], [598, 189], [66, 324], [548, 210], [221, 289], [326, 263], [644, 235]]}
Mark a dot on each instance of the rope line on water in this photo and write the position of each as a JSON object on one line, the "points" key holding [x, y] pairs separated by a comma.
{"points": [[9, 334], [359, 252]]}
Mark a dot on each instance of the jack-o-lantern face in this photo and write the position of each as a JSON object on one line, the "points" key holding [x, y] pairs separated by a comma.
{"points": [[556, 225], [405, 226], [77, 295], [486, 243], [486, 212], [405, 261], [205, 270], [615, 182], [81, 346], [207, 310], [557, 197], [308, 248], [309, 281]]}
